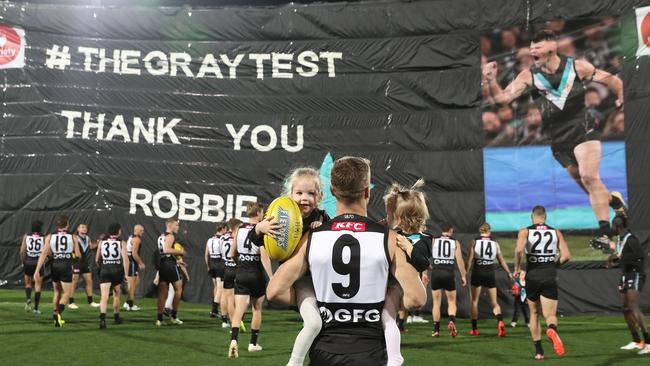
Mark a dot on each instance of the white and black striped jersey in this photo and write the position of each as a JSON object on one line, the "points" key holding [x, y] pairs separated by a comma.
{"points": [[443, 252], [485, 253], [110, 251], [34, 245], [542, 247], [161, 246], [248, 253], [214, 247], [62, 245], [349, 263], [225, 245], [129, 245]]}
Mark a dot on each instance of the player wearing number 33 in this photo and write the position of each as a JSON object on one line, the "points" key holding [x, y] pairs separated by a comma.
{"points": [[60, 245], [113, 261], [541, 244], [350, 258]]}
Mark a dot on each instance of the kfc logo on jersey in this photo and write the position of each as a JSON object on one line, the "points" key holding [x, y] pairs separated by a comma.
{"points": [[12, 47], [643, 31], [349, 226]]}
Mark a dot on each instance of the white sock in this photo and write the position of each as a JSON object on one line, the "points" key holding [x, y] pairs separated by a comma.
{"points": [[170, 297], [393, 338], [389, 323], [312, 324]]}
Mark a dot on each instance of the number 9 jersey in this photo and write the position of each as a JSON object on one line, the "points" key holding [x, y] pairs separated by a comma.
{"points": [[349, 263]]}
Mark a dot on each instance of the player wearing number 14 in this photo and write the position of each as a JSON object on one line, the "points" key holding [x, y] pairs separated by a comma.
{"points": [[541, 244], [114, 263]]}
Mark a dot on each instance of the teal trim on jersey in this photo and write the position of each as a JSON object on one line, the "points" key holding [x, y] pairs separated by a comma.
{"points": [[579, 217], [565, 77], [329, 202], [415, 237]]}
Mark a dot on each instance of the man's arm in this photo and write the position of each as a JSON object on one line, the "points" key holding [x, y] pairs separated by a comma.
{"points": [[23, 249], [125, 259], [168, 246], [461, 264], [77, 247], [565, 254], [97, 254], [41, 259], [511, 92], [519, 248], [470, 257], [587, 71], [205, 256], [415, 294], [280, 287], [233, 248], [266, 262], [135, 252], [502, 261]]}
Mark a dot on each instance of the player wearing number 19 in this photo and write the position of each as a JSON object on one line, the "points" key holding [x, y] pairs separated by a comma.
{"points": [[114, 263], [541, 244], [60, 246], [30, 249]]}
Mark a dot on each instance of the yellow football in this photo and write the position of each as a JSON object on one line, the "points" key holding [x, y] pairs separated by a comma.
{"points": [[286, 212], [178, 246]]}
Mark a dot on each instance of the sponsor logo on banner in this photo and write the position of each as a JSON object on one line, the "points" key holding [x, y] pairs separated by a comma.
{"points": [[12, 47], [643, 31]]}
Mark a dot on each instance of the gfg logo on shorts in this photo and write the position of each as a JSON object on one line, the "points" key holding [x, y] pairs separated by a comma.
{"points": [[350, 315], [12, 47]]}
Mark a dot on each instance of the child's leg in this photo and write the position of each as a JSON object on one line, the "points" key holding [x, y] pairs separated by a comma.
{"points": [[389, 323], [312, 325]]}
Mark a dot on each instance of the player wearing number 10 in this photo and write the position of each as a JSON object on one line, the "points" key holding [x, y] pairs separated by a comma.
{"points": [[60, 246], [114, 263], [541, 244], [350, 258]]}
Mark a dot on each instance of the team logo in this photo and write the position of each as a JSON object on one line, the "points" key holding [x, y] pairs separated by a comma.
{"points": [[643, 30], [12, 47]]}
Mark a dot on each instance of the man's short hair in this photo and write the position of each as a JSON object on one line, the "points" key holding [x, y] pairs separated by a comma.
{"points": [[543, 35], [446, 227], [253, 208], [349, 177], [37, 226], [539, 211], [61, 221], [114, 228], [171, 221]]}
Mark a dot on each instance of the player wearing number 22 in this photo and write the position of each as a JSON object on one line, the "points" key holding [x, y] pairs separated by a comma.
{"points": [[350, 258], [60, 246], [541, 244], [113, 261]]}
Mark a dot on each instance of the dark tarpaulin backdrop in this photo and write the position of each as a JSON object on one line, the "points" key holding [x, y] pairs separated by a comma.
{"points": [[397, 82]]}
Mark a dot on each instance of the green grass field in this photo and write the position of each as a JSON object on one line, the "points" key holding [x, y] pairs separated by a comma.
{"points": [[29, 339]]}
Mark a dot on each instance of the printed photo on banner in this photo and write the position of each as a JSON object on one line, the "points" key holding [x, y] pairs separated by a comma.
{"points": [[553, 121]]}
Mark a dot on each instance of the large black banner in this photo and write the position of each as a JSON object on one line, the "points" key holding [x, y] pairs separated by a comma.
{"points": [[140, 115]]}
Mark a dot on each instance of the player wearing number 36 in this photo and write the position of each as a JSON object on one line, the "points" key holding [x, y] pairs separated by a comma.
{"points": [[61, 246], [541, 243], [350, 258]]}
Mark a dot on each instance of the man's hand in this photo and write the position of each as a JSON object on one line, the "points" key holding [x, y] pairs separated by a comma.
{"points": [[489, 71]]}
